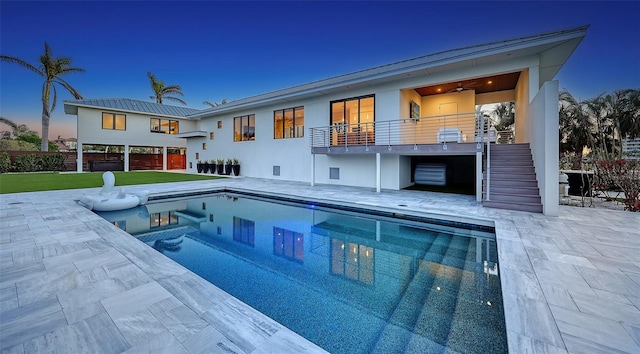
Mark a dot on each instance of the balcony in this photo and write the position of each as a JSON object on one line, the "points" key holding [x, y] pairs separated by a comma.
{"points": [[460, 133]]}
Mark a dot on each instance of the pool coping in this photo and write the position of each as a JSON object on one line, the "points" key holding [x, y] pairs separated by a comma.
{"points": [[535, 319]]}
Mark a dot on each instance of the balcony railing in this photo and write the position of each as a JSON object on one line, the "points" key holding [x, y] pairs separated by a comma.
{"points": [[459, 128]]}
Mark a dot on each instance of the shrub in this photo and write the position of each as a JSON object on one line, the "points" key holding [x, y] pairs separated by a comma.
{"points": [[28, 163], [52, 162], [624, 174], [5, 162]]}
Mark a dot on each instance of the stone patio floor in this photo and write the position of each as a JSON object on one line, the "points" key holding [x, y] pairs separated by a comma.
{"points": [[70, 282]]}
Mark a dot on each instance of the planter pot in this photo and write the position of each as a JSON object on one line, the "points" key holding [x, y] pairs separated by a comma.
{"points": [[220, 169], [206, 168], [236, 170], [200, 167], [227, 169], [213, 168]]}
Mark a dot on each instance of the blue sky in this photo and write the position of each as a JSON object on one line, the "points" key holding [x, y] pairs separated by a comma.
{"points": [[232, 50]]}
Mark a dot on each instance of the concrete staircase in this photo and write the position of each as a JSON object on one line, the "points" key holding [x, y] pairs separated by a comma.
{"points": [[513, 179]]}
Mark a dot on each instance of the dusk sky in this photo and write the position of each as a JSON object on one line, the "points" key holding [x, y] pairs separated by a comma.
{"points": [[233, 50]]}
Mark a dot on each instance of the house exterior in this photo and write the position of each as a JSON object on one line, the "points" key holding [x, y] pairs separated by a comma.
{"points": [[398, 124], [130, 125], [370, 128]]}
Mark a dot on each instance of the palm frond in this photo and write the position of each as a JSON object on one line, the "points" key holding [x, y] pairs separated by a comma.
{"points": [[176, 100], [21, 63], [75, 93]]}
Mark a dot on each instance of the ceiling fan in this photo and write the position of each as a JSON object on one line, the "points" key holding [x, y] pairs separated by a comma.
{"points": [[462, 87]]}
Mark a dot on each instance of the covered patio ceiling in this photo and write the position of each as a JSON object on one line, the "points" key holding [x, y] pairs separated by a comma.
{"points": [[486, 84]]}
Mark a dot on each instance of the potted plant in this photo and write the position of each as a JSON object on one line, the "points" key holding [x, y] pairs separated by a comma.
{"points": [[220, 166], [207, 167], [236, 167], [199, 166], [227, 167], [213, 166]]}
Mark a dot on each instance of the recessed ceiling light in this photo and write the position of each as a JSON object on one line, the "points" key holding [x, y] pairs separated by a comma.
{"points": [[489, 82], [439, 89]]}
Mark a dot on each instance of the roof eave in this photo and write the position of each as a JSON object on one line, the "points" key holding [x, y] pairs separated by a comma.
{"points": [[71, 108], [388, 72]]}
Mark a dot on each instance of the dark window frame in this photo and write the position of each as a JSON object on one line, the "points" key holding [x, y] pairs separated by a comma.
{"points": [[248, 134], [160, 121], [113, 121], [294, 126]]}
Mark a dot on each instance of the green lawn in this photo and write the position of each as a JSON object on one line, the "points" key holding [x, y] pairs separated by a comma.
{"points": [[34, 182]]}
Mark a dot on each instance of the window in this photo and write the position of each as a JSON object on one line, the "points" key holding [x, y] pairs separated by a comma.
{"points": [[219, 124], [288, 244], [288, 123], [164, 126], [352, 261], [162, 219], [114, 121], [352, 121], [244, 231], [211, 136], [204, 146], [244, 128]]}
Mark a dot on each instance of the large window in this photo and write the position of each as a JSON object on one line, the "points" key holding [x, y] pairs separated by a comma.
{"points": [[244, 128], [244, 231], [353, 111], [164, 126], [352, 121], [114, 121], [288, 123]]}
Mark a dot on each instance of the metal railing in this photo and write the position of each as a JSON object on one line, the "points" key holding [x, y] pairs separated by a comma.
{"points": [[451, 128]]}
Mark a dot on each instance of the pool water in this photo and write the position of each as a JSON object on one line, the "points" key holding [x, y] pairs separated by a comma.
{"points": [[349, 282]]}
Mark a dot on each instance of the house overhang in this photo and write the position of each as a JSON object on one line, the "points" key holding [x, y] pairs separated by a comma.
{"points": [[192, 134], [553, 49]]}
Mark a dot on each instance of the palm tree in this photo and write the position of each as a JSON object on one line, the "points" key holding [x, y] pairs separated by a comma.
{"points": [[51, 69], [215, 104], [16, 130], [161, 91]]}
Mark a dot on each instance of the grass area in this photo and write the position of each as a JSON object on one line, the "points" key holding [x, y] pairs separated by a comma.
{"points": [[35, 182]]}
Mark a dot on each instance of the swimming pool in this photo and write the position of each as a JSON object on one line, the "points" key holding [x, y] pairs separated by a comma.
{"points": [[348, 281]]}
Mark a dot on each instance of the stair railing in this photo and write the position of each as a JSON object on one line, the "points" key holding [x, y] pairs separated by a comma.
{"points": [[488, 159]]}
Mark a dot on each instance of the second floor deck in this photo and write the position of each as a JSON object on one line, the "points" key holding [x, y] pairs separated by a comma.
{"points": [[461, 133]]}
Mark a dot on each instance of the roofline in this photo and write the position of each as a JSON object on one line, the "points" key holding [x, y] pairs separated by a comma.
{"points": [[399, 68], [83, 105]]}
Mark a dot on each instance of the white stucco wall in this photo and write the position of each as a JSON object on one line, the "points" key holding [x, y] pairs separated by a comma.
{"points": [[544, 135], [137, 133]]}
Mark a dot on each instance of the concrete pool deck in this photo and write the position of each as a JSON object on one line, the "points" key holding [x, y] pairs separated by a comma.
{"points": [[71, 282]]}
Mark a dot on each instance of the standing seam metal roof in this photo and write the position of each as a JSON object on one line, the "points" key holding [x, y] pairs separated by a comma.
{"points": [[127, 104]]}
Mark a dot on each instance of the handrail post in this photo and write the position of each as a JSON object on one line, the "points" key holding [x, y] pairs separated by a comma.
{"points": [[488, 158]]}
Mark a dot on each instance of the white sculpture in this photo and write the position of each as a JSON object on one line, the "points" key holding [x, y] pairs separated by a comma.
{"points": [[109, 200]]}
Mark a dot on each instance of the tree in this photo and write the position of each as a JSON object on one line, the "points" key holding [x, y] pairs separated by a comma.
{"points": [[506, 114], [161, 91], [16, 130], [51, 69], [215, 104]]}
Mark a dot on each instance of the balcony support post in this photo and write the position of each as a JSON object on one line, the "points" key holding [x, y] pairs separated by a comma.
{"points": [[313, 170], [377, 172], [479, 176]]}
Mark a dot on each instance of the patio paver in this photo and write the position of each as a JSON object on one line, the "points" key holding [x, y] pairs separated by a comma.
{"points": [[71, 282]]}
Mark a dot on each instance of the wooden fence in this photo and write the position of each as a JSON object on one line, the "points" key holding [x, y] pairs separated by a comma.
{"points": [[137, 162]]}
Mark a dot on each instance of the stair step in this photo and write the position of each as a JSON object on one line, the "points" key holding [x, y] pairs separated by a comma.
{"points": [[530, 207], [514, 197], [495, 182], [512, 169], [512, 175], [517, 190], [511, 162], [510, 146]]}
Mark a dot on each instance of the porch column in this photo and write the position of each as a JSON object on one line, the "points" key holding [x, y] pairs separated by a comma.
{"points": [[377, 172], [479, 176], [79, 157], [126, 157], [164, 158], [313, 170]]}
